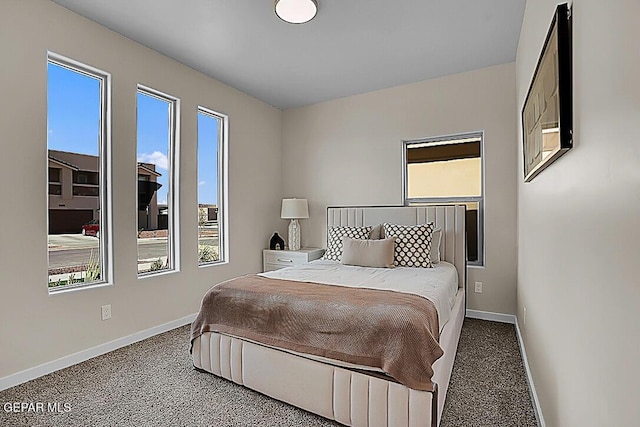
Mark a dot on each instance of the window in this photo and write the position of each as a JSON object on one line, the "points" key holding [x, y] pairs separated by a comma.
{"points": [[54, 174], [85, 177], [157, 148], [54, 181], [211, 183], [448, 170], [77, 144]]}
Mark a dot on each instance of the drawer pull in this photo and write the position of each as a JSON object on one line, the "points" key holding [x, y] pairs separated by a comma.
{"points": [[284, 260]]}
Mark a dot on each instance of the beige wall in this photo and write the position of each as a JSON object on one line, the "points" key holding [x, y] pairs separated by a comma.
{"points": [[36, 327], [579, 226], [349, 152]]}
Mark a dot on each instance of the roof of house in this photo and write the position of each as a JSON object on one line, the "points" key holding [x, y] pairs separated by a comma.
{"points": [[75, 161], [148, 168], [63, 163]]}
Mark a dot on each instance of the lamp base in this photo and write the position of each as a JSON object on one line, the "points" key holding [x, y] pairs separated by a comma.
{"points": [[294, 235]]}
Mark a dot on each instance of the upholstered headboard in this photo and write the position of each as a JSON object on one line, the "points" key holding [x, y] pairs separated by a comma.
{"points": [[451, 218]]}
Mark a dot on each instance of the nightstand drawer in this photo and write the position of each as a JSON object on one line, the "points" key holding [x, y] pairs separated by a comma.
{"points": [[285, 258], [274, 260]]}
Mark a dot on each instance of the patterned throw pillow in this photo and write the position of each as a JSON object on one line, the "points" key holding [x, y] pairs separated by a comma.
{"points": [[334, 243], [413, 244]]}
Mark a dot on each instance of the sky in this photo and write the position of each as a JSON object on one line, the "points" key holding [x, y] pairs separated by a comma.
{"points": [[208, 158], [73, 102], [153, 138]]}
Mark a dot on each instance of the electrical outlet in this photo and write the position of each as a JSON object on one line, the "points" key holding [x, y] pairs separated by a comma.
{"points": [[524, 315], [106, 312], [478, 288]]}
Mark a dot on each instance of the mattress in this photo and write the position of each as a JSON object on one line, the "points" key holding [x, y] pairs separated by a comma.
{"points": [[438, 284]]}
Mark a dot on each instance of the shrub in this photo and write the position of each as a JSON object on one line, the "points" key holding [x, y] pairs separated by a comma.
{"points": [[207, 253], [159, 265], [57, 283], [93, 269]]}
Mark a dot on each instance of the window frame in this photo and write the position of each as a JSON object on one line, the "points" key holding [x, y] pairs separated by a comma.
{"points": [[173, 195], [105, 173], [407, 201], [223, 140]]}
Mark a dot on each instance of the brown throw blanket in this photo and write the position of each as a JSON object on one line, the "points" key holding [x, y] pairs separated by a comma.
{"points": [[393, 331]]}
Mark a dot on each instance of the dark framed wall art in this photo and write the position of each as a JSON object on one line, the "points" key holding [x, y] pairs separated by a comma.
{"points": [[547, 115]]}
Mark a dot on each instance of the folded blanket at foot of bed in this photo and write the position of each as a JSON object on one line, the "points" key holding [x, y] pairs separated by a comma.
{"points": [[394, 331]]}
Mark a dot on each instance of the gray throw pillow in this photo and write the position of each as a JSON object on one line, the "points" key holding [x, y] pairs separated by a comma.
{"points": [[368, 253]]}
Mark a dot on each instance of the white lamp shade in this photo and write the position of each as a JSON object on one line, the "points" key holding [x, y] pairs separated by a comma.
{"points": [[296, 11], [294, 209]]}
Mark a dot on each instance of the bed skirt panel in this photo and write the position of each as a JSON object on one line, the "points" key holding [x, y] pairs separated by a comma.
{"points": [[449, 342], [349, 397]]}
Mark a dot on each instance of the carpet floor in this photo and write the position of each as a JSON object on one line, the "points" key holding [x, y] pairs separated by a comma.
{"points": [[153, 383]]}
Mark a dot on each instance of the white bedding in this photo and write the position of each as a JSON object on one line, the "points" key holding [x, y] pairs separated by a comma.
{"points": [[438, 284]]}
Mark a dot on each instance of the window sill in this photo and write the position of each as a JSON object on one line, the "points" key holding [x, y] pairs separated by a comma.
{"points": [[65, 289], [156, 273]]}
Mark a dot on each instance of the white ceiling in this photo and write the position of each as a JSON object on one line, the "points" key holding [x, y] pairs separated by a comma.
{"points": [[352, 46]]}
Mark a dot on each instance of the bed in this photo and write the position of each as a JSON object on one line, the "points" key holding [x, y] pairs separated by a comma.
{"points": [[350, 393]]}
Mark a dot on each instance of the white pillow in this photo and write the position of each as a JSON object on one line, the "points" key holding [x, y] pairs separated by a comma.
{"points": [[376, 232], [435, 246]]}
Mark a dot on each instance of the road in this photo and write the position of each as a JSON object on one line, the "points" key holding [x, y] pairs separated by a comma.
{"points": [[68, 250]]}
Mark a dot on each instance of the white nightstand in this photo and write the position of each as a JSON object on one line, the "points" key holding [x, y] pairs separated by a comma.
{"points": [[274, 260]]}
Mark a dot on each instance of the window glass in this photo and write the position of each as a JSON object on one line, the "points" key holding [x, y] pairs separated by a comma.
{"points": [[77, 196], [156, 202], [448, 170], [210, 178]]}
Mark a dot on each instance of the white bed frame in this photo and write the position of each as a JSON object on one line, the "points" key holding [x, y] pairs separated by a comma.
{"points": [[350, 397]]}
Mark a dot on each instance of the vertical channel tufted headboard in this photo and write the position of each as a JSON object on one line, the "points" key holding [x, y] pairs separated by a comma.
{"points": [[451, 218]]}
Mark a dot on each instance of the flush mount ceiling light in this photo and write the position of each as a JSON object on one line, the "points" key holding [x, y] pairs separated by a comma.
{"points": [[296, 11]]}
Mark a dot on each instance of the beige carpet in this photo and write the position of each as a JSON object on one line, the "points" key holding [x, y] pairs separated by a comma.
{"points": [[488, 385], [152, 383]]}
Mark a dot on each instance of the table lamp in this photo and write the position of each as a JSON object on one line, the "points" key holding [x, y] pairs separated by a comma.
{"points": [[294, 209]]}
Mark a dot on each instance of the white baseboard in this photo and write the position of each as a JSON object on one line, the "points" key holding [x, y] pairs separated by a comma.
{"points": [[81, 356], [495, 317], [532, 387]]}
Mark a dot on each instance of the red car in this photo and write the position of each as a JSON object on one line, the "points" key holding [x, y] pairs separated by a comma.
{"points": [[92, 228]]}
